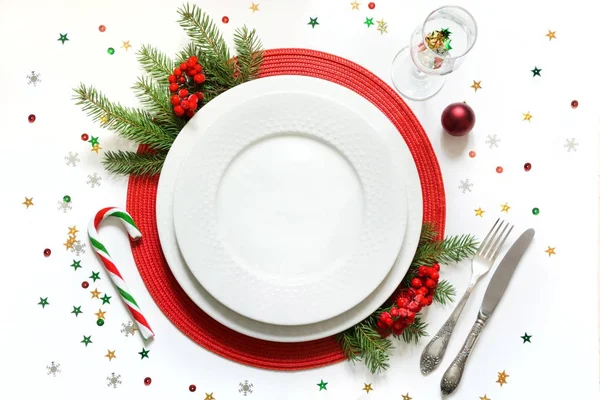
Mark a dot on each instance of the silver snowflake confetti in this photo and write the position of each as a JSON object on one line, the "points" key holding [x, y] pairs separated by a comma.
{"points": [[94, 180], [72, 159], [114, 380], [78, 248], [128, 329], [245, 388], [465, 186], [492, 141], [53, 368], [34, 78], [571, 145], [64, 206]]}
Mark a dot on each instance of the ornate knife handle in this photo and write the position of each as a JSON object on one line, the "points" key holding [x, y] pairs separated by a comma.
{"points": [[436, 348], [454, 373]]}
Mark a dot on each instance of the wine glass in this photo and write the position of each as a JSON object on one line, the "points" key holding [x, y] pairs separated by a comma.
{"points": [[436, 48]]}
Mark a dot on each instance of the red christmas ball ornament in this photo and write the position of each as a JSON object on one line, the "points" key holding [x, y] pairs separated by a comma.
{"points": [[458, 119]]}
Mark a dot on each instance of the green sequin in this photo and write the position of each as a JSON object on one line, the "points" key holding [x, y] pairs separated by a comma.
{"points": [[110, 51], [535, 211], [67, 199], [100, 322]]}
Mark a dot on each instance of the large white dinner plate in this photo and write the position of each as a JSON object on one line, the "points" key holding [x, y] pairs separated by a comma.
{"points": [[288, 209], [198, 126]]}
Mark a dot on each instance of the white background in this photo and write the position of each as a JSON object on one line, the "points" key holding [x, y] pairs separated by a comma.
{"points": [[552, 298]]}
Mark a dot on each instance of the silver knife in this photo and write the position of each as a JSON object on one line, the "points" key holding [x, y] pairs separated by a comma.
{"points": [[493, 294]]}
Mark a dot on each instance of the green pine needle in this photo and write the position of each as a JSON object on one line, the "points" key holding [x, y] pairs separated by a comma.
{"points": [[444, 292], [450, 250], [130, 163], [156, 64], [362, 343], [249, 53], [415, 331], [155, 98]]}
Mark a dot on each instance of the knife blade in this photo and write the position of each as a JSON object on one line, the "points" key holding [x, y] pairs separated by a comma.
{"points": [[493, 294], [504, 273]]}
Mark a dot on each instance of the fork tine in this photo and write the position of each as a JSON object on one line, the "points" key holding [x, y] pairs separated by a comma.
{"points": [[485, 253], [484, 242], [501, 243], [494, 241]]}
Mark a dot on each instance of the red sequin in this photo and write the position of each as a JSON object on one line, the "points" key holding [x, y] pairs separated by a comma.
{"points": [[527, 166], [31, 118], [574, 104], [85, 284], [47, 252], [472, 154], [147, 381], [85, 137], [225, 19], [101, 28], [499, 169], [371, 5], [192, 388]]}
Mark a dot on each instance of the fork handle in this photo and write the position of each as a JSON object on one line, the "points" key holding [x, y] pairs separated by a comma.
{"points": [[436, 348], [454, 373]]}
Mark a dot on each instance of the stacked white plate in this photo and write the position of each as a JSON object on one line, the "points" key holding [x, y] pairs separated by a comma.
{"points": [[289, 208]]}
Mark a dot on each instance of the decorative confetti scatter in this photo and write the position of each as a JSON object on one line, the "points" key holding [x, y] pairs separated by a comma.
{"points": [[476, 85], [355, 5], [209, 396], [254, 8], [93, 141], [95, 276], [502, 378], [245, 388], [110, 51], [67, 198], [382, 26], [128, 329], [527, 116], [527, 167], [78, 248], [53, 369], [536, 72], [64, 206], [367, 387], [225, 19], [96, 148], [47, 252], [76, 264], [87, 340], [125, 45], [406, 397], [85, 284], [571, 145], [114, 380], [95, 294], [105, 299], [499, 169], [102, 28], [28, 202], [43, 302], [472, 154], [322, 385], [110, 355], [551, 35], [100, 322], [34, 78], [371, 5], [535, 211], [31, 118], [62, 38], [369, 22], [313, 22], [485, 397], [550, 251], [94, 180], [76, 311], [144, 353], [505, 207], [465, 186], [84, 137], [526, 338], [192, 388], [147, 381], [574, 104], [479, 212], [100, 314]]}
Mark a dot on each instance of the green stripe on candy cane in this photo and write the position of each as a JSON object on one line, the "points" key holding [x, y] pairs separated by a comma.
{"points": [[127, 296], [99, 246]]}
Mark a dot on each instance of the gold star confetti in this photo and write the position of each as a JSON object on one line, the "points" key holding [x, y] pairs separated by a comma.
{"points": [[550, 251], [502, 378], [209, 396], [355, 5], [406, 397], [485, 397], [96, 148], [476, 85], [28, 202], [110, 355], [367, 387], [479, 212], [381, 22], [254, 8], [382, 28], [126, 45], [95, 294], [505, 207], [68, 244], [100, 314], [551, 35], [104, 119], [73, 230], [527, 116]]}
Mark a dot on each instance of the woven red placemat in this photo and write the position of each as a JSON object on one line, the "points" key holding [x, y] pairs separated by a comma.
{"points": [[185, 314]]}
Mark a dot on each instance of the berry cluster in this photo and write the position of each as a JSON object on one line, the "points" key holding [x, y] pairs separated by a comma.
{"points": [[410, 302], [183, 81]]}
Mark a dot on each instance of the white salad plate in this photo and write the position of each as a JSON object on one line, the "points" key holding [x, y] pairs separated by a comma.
{"points": [[226, 185]]}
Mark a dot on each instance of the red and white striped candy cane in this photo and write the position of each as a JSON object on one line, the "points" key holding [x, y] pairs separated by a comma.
{"points": [[110, 266]]}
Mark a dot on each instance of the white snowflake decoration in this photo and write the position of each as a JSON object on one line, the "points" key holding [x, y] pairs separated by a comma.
{"points": [[53, 368], [72, 159], [492, 141], [571, 145], [94, 180], [245, 388], [78, 248], [465, 186], [114, 380], [34, 78], [128, 329], [64, 206]]}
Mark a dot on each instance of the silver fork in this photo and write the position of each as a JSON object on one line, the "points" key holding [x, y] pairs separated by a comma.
{"points": [[482, 262]]}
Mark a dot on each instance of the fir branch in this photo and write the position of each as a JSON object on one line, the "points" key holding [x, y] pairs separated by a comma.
{"points": [[415, 331], [156, 100], [213, 52], [132, 124], [363, 343], [429, 233], [129, 162], [249, 53], [451, 249], [444, 292], [156, 64]]}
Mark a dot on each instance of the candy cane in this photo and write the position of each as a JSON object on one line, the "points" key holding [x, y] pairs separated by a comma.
{"points": [[113, 272]]}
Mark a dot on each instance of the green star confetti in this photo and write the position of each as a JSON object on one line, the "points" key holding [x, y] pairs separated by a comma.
{"points": [[43, 302], [144, 353], [76, 264], [105, 299], [526, 338], [369, 22], [86, 340], [536, 72], [63, 38], [322, 385], [93, 141], [95, 276], [313, 22], [76, 310]]}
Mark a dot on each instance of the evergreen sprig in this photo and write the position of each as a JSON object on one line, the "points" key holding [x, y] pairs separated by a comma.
{"points": [[362, 343], [414, 331], [450, 250], [131, 163], [249, 52], [156, 64], [444, 292], [155, 99]]}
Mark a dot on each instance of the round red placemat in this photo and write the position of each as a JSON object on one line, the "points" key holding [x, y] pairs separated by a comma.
{"points": [[191, 320]]}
